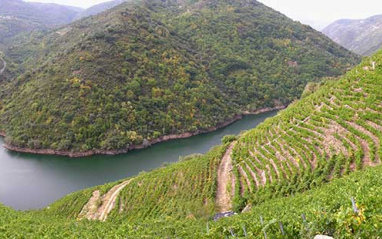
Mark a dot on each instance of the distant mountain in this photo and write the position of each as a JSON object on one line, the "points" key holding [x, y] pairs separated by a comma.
{"points": [[19, 9], [57, 14], [145, 70], [17, 16], [96, 9], [364, 37]]}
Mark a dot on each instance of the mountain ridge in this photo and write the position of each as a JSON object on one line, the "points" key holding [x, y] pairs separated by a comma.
{"points": [[99, 8], [18, 17], [361, 36]]}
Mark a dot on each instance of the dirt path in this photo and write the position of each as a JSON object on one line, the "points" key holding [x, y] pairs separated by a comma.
{"points": [[99, 208], [4, 65], [109, 200], [223, 196]]}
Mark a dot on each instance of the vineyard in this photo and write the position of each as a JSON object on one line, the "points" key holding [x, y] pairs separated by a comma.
{"points": [[326, 135], [312, 169], [182, 190], [324, 210]]}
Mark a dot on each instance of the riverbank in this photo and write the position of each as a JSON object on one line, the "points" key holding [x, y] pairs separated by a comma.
{"points": [[136, 147]]}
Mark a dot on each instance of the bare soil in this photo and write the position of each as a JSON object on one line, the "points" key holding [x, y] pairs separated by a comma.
{"points": [[223, 196], [242, 172], [98, 208], [253, 176]]}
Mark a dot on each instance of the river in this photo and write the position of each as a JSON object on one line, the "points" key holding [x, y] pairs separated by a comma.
{"points": [[34, 181]]}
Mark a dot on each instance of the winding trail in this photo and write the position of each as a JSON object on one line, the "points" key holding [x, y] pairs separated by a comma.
{"points": [[225, 177], [99, 208]]}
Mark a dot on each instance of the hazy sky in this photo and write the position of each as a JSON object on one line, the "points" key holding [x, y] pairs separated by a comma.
{"points": [[317, 13]]}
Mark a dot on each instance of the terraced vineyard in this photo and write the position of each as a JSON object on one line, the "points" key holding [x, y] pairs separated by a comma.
{"points": [[328, 134], [183, 190], [179, 191], [309, 150], [327, 210]]}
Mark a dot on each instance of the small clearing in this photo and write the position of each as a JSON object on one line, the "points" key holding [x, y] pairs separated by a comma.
{"points": [[223, 196]]}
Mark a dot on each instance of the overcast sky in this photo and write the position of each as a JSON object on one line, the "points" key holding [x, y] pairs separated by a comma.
{"points": [[317, 13]]}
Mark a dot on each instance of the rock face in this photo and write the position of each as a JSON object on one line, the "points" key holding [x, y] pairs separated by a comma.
{"points": [[364, 36]]}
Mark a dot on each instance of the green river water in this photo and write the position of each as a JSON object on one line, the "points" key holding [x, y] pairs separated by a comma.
{"points": [[34, 181]]}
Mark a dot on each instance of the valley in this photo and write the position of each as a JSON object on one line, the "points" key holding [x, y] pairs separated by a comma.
{"points": [[310, 174], [43, 179], [96, 90], [188, 119]]}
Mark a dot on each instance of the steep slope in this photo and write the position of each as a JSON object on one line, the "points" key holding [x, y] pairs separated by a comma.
{"points": [[320, 194], [56, 14], [364, 36], [333, 132], [182, 190], [96, 9], [134, 75], [325, 210], [17, 16], [48, 14]]}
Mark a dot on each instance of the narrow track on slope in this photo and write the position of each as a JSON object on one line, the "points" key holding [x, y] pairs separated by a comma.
{"points": [[223, 196], [110, 198], [99, 208], [4, 64]]}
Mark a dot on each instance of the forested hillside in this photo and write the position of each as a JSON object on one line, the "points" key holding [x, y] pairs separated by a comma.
{"points": [[17, 16], [148, 69], [96, 9], [328, 134], [312, 169], [56, 14], [362, 36]]}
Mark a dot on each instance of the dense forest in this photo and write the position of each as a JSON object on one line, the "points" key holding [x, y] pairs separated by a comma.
{"points": [[152, 68], [312, 169]]}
